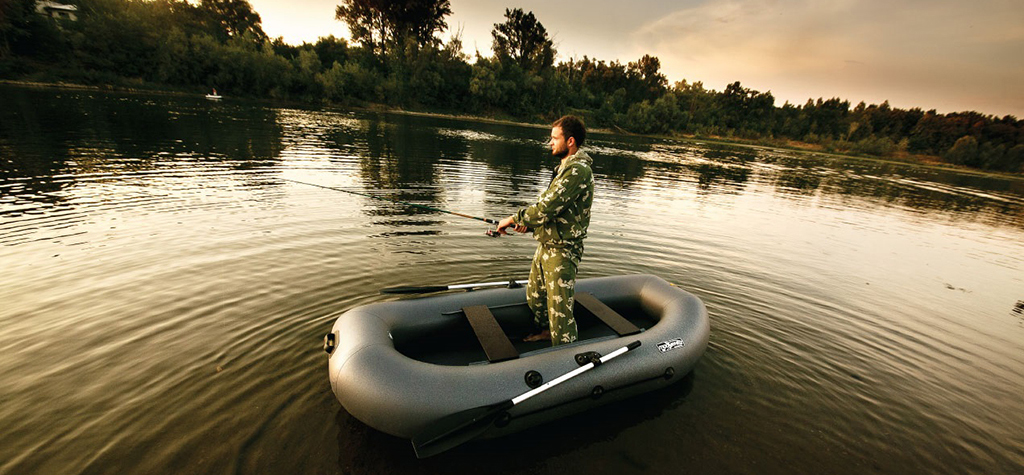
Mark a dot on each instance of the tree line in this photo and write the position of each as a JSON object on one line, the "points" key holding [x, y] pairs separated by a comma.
{"points": [[396, 58]]}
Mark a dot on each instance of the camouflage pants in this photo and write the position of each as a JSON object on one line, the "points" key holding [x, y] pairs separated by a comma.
{"points": [[551, 290]]}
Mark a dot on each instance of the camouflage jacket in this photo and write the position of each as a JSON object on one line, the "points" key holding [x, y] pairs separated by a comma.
{"points": [[562, 213]]}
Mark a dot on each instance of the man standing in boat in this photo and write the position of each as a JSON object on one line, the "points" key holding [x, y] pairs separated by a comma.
{"points": [[559, 220]]}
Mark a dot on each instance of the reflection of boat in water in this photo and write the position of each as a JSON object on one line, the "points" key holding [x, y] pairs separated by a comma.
{"points": [[214, 97], [403, 366]]}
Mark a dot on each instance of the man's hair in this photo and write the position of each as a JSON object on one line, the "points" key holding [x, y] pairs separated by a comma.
{"points": [[572, 127]]}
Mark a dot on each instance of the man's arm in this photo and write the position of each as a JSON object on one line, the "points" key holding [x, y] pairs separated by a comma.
{"points": [[565, 188], [510, 221]]}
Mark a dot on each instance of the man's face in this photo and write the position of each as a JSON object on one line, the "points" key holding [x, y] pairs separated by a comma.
{"points": [[559, 147]]}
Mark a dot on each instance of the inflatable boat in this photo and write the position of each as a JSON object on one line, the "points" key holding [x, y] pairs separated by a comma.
{"points": [[444, 369]]}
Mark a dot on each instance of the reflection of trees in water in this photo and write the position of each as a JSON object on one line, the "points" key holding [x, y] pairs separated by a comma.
{"points": [[621, 169], [730, 155], [968, 196], [798, 183], [409, 156], [522, 161], [46, 133], [725, 168], [397, 155], [48, 137], [33, 136], [627, 170], [721, 177], [403, 160], [965, 203], [244, 138], [728, 169], [518, 153]]}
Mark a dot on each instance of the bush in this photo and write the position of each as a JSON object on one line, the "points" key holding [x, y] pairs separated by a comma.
{"points": [[963, 152], [344, 82], [872, 145], [1002, 159]]}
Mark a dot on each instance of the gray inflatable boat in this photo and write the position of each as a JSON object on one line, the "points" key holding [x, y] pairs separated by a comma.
{"points": [[409, 367]]}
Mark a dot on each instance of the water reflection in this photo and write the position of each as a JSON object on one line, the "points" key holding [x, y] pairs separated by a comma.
{"points": [[45, 137], [408, 151], [851, 306], [75, 134]]}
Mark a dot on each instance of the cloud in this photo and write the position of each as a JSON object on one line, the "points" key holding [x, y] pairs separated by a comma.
{"points": [[946, 54]]}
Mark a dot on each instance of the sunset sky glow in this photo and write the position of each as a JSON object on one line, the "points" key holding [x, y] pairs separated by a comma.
{"points": [[947, 55]]}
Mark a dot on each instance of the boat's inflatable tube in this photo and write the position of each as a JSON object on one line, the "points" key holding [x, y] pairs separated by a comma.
{"points": [[400, 366]]}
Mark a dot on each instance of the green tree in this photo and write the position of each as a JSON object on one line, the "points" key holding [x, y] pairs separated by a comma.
{"points": [[307, 66], [384, 24], [115, 38], [1013, 160], [747, 111], [660, 117], [330, 50], [505, 88], [348, 82], [14, 23], [233, 18], [647, 72], [523, 40], [23, 32]]}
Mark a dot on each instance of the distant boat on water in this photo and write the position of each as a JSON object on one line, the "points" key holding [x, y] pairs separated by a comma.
{"points": [[214, 96]]}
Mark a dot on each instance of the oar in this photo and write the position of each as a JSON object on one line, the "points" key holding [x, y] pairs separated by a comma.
{"points": [[442, 288], [456, 429]]}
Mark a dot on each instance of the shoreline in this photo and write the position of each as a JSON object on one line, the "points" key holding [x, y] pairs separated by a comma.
{"points": [[926, 161]]}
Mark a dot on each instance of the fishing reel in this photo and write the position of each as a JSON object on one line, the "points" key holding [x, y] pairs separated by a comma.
{"points": [[495, 233]]}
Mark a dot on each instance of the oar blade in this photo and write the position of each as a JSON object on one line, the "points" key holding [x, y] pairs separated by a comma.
{"points": [[457, 429], [414, 290]]}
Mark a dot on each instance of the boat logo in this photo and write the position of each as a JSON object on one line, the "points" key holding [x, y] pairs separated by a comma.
{"points": [[670, 345]]}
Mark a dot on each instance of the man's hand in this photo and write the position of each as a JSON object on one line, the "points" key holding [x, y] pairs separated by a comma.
{"points": [[510, 222]]}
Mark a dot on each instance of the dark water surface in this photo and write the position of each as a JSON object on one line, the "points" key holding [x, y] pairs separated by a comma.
{"points": [[164, 291]]}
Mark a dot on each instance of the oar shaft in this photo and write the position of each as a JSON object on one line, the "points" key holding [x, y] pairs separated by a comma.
{"points": [[442, 288], [486, 220], [463, 426], [484, 284], [574, 373]]}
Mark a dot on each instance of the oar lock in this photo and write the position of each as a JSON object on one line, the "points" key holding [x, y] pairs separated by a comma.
{"points": [[589, 357], [512, 284], [534, 379]]}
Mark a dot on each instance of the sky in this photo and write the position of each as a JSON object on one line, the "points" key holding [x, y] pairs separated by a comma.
{"points": [[948, 55]]}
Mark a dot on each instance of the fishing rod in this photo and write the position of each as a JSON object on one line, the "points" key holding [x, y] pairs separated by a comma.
{"points": [[490, 232]]}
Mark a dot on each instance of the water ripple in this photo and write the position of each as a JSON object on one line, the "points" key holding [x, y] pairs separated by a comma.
{"points": [[164, 294]]}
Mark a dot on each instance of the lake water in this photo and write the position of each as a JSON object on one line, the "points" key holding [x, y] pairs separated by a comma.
{"points": [[165, 288]]}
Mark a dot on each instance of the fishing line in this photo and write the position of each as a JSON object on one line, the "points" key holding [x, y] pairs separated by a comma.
{"points": [[431, 208]]}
